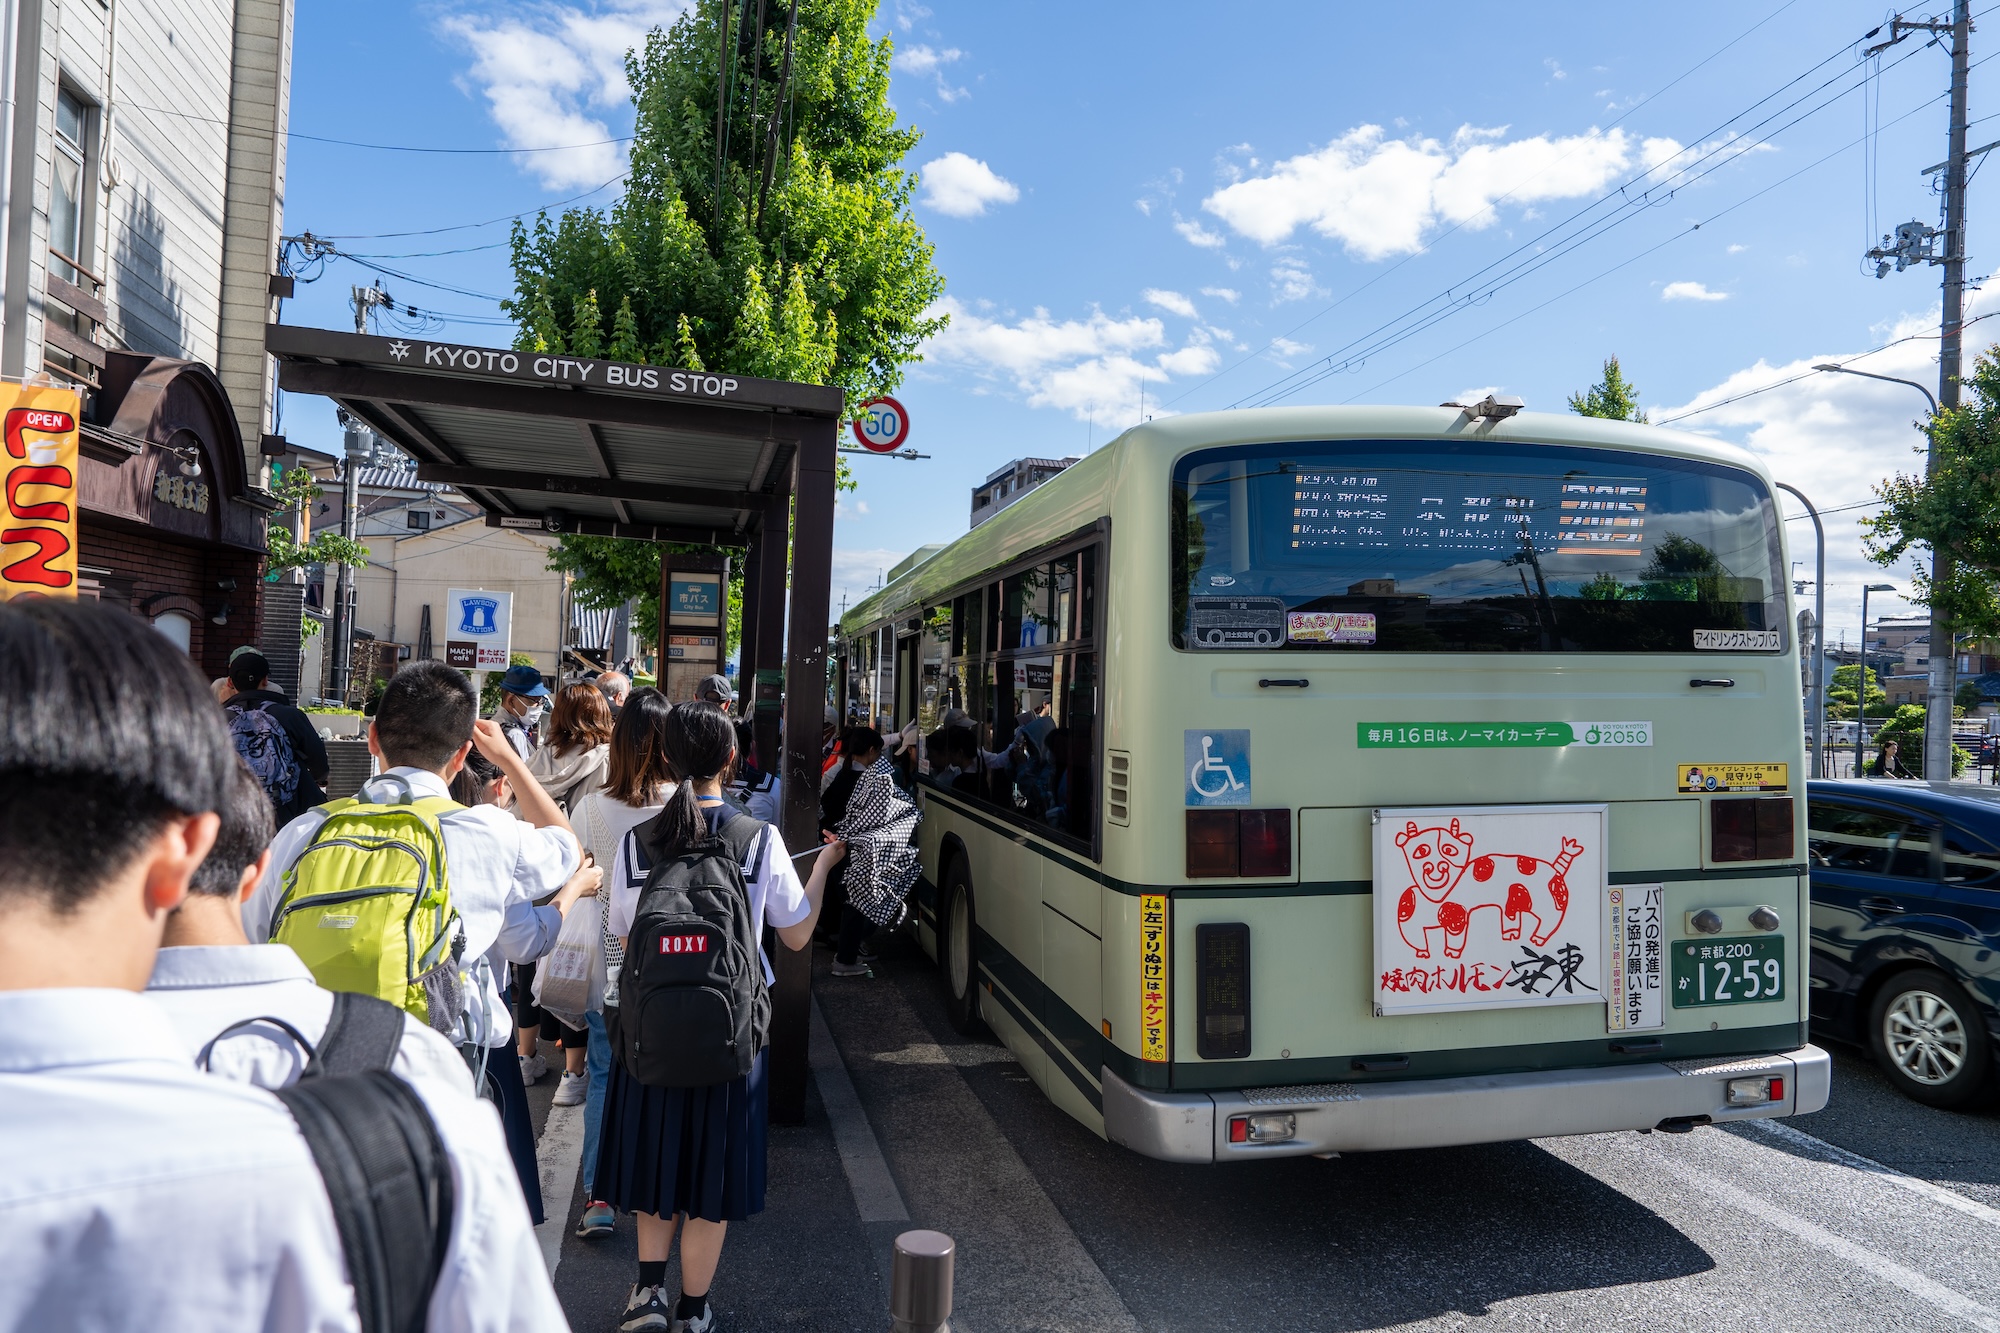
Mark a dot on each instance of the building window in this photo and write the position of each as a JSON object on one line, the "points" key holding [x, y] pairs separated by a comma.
{"points": [[178, 627], [70, 188], [418, 518]]}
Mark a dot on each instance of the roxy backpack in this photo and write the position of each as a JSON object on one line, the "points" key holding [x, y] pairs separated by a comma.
{"points": [[693, 1007], [367, 906], [261, 740]]}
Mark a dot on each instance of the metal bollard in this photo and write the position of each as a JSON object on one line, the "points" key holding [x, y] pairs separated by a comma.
{"points": [[920, 1283]]}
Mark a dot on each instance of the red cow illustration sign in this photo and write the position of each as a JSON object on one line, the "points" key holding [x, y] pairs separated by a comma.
{"points": [[1482, 907]]}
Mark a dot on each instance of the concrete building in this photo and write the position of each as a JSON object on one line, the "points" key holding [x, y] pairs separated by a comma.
{"points": [[1010, 481], [142, 189], [400, 594]]}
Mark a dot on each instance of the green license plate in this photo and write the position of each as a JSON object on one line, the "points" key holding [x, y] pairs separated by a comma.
{"points": [[1738, 971]]}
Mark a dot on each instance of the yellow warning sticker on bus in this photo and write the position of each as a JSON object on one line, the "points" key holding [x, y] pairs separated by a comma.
{"points": [[1153, 977], [1733, 777]]}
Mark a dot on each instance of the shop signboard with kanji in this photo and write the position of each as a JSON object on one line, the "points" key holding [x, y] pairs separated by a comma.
{"points": [[38, 471], [1488, 907]]}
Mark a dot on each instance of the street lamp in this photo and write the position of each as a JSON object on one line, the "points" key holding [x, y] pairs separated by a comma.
{"points": [[1938, 690], [1886, 379], [1819, 633], [1861, 686]]}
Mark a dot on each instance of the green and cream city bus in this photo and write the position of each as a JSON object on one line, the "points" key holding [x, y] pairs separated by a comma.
{"points": [[1331, 779]]}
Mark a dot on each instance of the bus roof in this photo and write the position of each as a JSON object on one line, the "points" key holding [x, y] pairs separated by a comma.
{"points": [[1160, 442]]}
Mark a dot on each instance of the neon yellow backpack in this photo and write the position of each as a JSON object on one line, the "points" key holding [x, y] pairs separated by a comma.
{"points": [[367, 906]]}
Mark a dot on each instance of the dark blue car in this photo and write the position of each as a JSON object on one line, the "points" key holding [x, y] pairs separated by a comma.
{"points": [[1906, 930]]}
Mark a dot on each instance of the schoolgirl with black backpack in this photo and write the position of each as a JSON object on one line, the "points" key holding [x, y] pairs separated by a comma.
{"points": [[686, 1117]]}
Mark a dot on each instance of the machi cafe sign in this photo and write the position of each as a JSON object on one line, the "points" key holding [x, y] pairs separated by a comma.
{"points": [[38, 472]]}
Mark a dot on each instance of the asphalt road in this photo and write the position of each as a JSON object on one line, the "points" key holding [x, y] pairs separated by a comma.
{"points": [[1874, 1214]]}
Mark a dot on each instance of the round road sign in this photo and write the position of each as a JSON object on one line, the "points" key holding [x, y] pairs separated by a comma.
{"points": [[882, 426]]}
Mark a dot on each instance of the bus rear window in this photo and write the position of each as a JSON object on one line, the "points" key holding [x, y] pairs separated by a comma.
{"points": [[1476, 546]]}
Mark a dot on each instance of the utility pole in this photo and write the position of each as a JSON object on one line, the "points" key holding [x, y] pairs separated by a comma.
{"points": [[359, 441], [366, 299], [1913, 244]]}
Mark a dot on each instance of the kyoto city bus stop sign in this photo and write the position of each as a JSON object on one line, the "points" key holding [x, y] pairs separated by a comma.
{"points": [[564, 444]]}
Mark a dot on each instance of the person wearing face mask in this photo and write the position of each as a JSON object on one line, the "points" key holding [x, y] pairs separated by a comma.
{"points": [[523, 701]]}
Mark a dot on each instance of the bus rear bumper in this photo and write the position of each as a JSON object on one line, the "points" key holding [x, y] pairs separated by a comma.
{"points": [[1436, 1113]]}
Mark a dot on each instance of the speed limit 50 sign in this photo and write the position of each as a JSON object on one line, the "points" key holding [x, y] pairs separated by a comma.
{"points": [[882, 426]]}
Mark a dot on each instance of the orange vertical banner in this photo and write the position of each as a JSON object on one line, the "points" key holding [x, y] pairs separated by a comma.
{"points": [[38, 468]]}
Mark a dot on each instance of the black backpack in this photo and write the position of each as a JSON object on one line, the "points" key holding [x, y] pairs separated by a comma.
{"points": [[378, 1151], [693, 1010]]}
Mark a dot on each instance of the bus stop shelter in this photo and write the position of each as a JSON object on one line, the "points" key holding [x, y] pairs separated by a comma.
{"points": [[566, 444]]}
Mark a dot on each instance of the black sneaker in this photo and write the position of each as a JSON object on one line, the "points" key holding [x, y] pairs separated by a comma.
{"points": [[650, 1310]]}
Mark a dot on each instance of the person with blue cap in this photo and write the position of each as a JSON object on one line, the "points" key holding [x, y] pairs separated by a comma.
{"points": [[523, 701]]}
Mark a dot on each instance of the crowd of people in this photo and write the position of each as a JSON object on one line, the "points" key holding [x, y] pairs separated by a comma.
{"points": [[264, 1055]]}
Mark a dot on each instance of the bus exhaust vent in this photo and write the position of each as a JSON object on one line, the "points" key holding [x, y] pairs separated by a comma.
{"points": [[1118, 787]]}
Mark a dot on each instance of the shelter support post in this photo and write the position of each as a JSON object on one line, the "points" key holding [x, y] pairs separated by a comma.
{"points": [[746, 648], [769, 659], [805, 703]]}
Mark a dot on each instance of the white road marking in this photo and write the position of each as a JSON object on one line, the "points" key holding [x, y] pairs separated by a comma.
{"points": [[876, 1197], [1913, 1283], [559, 1152], [1800, 1141]]}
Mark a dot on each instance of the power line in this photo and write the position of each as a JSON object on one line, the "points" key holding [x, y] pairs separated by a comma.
{"points": [[470, 226], [1626, 263], [1427, 313], [383, 147], [1456, 226]]}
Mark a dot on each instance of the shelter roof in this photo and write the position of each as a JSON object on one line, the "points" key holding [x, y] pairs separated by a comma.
{"points": [[570, 444]]}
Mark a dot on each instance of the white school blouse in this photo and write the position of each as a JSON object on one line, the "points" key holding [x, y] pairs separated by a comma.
{"points": [[777, 895]]}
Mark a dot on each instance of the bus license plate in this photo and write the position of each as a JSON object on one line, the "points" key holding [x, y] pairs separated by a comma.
{"points": [[1736, 971]]}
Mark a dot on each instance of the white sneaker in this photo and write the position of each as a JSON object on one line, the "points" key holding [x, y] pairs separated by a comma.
{"points": [[532, 1068], [705, 1323], [571, 1090]]}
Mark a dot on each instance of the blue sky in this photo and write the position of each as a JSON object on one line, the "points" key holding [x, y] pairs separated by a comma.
{"points": [[1211, 206]]}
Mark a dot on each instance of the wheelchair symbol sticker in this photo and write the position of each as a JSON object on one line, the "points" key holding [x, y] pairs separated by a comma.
{"points": [[1218, 767]]}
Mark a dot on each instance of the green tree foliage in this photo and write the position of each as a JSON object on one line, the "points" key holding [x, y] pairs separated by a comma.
{"points": [[1613, 397], [824, 277], [1955, 512], [1840, 694], [1968, 696], [1907, 727], [296, 490], [610, 571]]}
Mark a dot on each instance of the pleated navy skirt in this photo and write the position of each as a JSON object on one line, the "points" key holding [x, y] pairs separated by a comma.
{"points": [[698, 1151]]}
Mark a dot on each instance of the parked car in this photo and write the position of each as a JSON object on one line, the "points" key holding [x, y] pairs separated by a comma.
{"points": [[1906, 929]]}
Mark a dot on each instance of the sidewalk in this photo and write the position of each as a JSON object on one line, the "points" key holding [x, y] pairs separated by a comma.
{"points": [[894, 1139]]}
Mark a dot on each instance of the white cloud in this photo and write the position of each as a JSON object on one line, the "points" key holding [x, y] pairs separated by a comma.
{"points": [[1098, 368], [551, 74], [1291, 280], [1195, 234], [961, 187], [908, 15], [922, 59], [1229, 294], [926, 61], [858, 572], [1286, 347], [1834, 437], [1555, 69], [1171, 302], [1380, 197], [1737, 249], [1690, 291]]}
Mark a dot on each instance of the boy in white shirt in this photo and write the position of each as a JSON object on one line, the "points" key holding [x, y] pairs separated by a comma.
{"points": [[496, 864], [138, 1191], [209, 978]]}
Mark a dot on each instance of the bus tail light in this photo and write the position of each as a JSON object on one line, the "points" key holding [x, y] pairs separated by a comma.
{"points": [[1222, 989], [1266, 842], [1268, 1128], [1225, 844], [1750, 828], [1211, 844]]}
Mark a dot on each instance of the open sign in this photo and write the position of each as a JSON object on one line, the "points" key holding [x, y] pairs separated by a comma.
{"points": [[882, 426]]}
